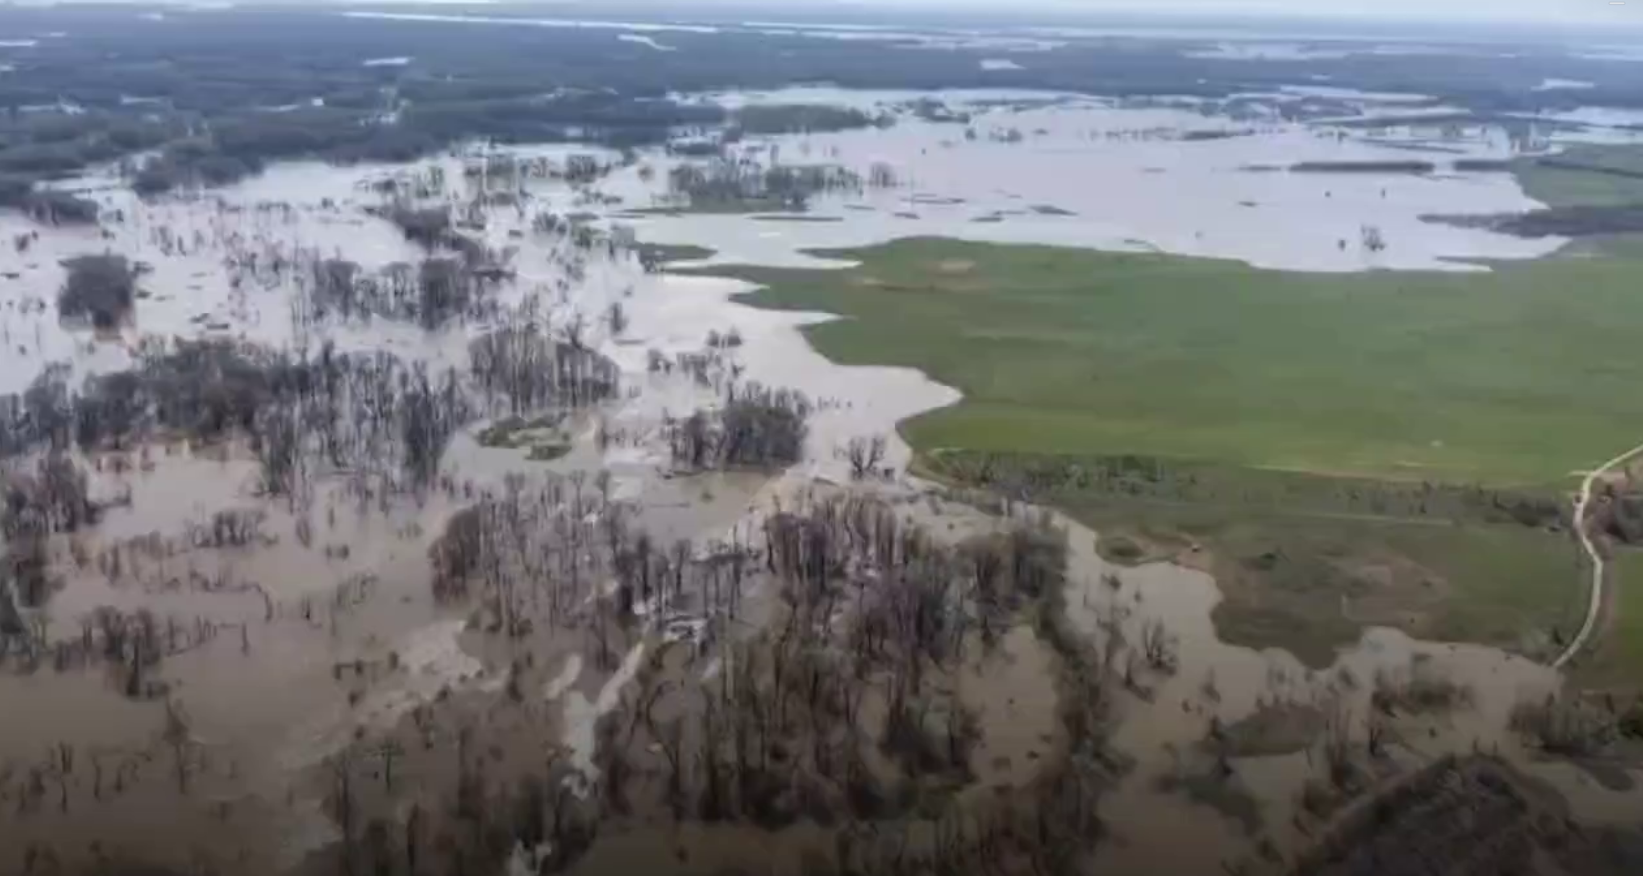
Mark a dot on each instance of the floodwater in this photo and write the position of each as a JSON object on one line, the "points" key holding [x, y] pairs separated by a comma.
{"points": [[1171, 721], [1130, 182], [297, 645], [1117, 177]]}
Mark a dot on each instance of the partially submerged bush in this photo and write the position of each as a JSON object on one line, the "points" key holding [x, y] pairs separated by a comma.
{"points": [[1424, 688], [102, 288], [1565, 726]]}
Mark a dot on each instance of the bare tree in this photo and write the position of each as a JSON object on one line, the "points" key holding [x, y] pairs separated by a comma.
{"points": [[61, 768], [343, 806], [865, 455], [1159, 646], [574, 330], [178, 736]]}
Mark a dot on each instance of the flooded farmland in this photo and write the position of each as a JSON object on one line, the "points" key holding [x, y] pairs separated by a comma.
{"points": [[254, 661]]}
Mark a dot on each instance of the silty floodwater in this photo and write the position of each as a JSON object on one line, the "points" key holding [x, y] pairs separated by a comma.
{"points": [[1081, 172]]}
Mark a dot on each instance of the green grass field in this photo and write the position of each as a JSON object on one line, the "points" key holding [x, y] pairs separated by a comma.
{"points": [[1517, 376], [1563, 186]]}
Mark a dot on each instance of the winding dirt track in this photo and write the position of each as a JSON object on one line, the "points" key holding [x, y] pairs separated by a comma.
{"points": [[1594, 606]]}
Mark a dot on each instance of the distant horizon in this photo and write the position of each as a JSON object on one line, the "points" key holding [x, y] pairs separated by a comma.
{"points": [[1504, 12], [1460, 21], [1508, 15]]}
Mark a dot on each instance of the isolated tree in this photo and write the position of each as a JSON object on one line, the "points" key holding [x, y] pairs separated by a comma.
{"points": [[178, 736], [865, 455], [1373, 239]]}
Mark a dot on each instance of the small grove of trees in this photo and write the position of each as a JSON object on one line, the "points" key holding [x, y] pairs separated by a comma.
{"points": [[522, 363], [426, 226], [756, 426], [430, 293], [102, 288]]}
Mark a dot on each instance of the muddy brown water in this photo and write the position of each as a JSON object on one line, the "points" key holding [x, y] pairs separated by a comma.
{"points": [[264, 697]]}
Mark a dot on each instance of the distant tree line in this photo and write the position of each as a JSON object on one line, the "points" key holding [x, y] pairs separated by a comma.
{"points": [[804, 118], [222, 95], [744, 183]]}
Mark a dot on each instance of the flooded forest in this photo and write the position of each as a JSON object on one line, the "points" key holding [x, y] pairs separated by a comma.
{"points": [[396, 482]]}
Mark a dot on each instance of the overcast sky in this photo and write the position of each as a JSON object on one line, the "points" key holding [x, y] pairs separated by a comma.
{"points": [[1562, 11]]}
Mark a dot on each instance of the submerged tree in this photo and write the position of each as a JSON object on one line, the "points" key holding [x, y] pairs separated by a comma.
{"points": [[102, 288], [756, 426]]}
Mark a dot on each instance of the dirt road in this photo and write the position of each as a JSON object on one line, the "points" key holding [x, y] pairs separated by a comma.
{"points": [[1594, 605]]}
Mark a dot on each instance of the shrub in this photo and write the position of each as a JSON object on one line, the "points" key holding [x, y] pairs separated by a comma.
{"points": [[99, 287]]}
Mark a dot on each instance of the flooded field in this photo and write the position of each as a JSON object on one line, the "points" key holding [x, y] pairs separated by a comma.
{"points": [[1180, 179], [237, 672]]}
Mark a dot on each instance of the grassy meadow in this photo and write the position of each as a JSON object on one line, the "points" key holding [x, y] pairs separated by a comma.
{"points": [[1519, 376]]}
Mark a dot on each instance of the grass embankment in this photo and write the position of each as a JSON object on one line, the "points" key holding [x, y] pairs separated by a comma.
{"points": [[1313, 408]]}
